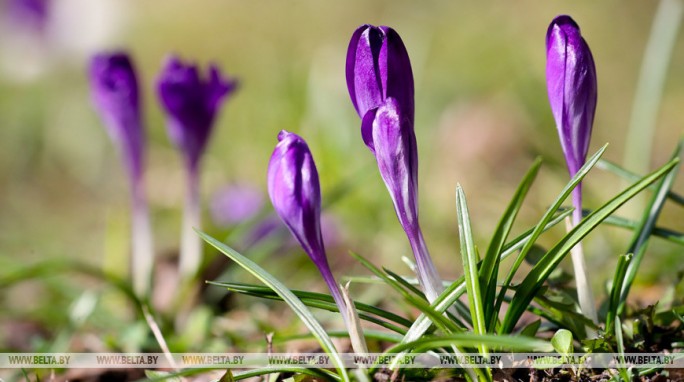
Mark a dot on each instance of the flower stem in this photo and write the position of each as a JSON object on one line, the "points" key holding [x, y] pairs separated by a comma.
{"points": [[335, 291], [584, 292], [348, 312], [191, 245], [141, 239], [427, 273]]}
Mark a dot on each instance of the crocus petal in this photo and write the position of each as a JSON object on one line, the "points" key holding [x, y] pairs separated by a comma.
{"points": [[191, 103], [114, 88], [367, 129], [295, 193], [395, 151], [378, 67], [572, 88], [395, 71]]}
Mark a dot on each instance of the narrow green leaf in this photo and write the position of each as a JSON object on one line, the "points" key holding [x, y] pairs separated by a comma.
{"points": [[545, 219], [616, 290], [327, 302], [490, 265], [421, 304], [471, 340], [616, 169], [470, 260], [376, 271], [540, 272], [317, 373], [408, 286], [621, 350], [531, 329], [457, 288], [371, 334], [296, 304], [663, 233], [648, 221]]}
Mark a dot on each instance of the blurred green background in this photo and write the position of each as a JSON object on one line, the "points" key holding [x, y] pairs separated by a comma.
{"points": [[482, 116]]}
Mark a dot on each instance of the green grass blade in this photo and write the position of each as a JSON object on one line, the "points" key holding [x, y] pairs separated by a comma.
{"points": [[372, 334], [457, 288], [404, 291], [319, 373], [470, 340], [546, 218], [265, 292], [663, 233], [541, 271], [296, 304], [419, 303], [643, 233], [490, 264], [470, 260], [331, 307], [607, 165], [407, 285], [621, 349], [616, 290]]}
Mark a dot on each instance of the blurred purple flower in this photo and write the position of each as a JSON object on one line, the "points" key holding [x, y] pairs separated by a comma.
{"points": [[236, 203], [380, 83], [572, 88], [30, 15], [115, 93], [114, 88], [296, 196], [378, 67], [191, 104]]}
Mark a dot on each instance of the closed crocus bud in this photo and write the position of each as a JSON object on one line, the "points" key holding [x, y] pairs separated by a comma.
{"points": [[397, 155], [378, 67], [191, 103], [380, 83], [114, 88], [115, 94], [572, 88], [571, 84], [296, 196]]}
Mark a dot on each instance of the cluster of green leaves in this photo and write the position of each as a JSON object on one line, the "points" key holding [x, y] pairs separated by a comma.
{"points": [[490, 320], [483, 324]]}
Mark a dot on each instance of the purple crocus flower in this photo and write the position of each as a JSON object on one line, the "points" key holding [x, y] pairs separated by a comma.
{"points": [[115, 93], [191, 102], [572, 88], [378, 67], [380, 83], [296, 196], [30, 15], [571, 84]]}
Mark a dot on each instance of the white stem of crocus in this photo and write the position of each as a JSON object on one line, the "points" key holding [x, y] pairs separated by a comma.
{"points": [[141, 241], [191, 245], [348, 312], [584, 292], [427, 273]]}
